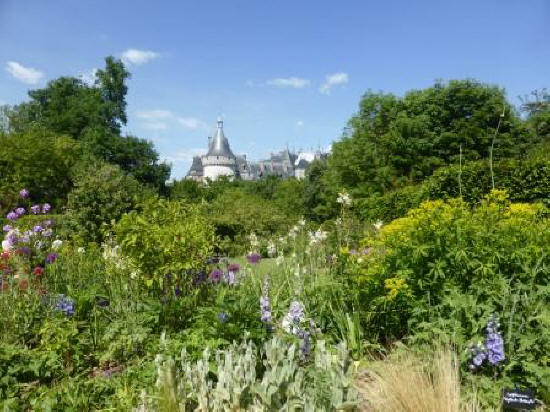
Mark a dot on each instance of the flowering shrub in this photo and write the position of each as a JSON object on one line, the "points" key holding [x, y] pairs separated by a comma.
{"points": [[439, 272]]}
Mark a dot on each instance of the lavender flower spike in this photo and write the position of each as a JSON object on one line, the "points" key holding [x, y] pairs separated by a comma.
{"points": [[265, 310], [494, 342]]}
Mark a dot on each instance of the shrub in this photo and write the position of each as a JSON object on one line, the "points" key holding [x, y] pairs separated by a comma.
{"points": [[102, 194], [165, 238], [524, 180], [442, 270], [236, 214], [38, 161]]}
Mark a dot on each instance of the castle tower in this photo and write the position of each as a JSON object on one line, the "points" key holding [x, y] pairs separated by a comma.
{"points": [[220, 160]]}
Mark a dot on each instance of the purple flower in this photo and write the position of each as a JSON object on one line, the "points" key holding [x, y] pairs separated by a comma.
{"points": [[20, 211], [7, 228], [46, 208], [47, 233], [216, 275], [35, 209], [265, 310], [223, 317], [52, 257], [229, 278], [296, 311], [64, 305], [25, 238], [12, 216], [479, 358], [48, 223], [37, 229], [23, 251], [24, 193], [12, 237], [305, 344], [233, 267], [494, 342], [253, 258]]}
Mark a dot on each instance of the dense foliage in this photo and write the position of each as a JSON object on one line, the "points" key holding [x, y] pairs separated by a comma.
{"points": [[441, 271], [273, 294], [102, 193]]}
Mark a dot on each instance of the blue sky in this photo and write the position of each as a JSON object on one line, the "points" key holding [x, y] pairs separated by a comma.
{"points": [[279, 72]]}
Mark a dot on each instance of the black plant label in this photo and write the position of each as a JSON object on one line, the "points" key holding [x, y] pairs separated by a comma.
{"points": [[518, 399]]}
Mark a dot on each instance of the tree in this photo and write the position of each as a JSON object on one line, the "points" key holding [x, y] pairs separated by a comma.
{"points": [[69, 106], [537, 108], [134, 155], [398, 141], [112, 83]]}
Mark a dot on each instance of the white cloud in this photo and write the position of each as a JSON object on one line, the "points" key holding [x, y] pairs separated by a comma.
{"points": [[89, 76], [135, 56], [192, 123], [295, 82], [25, 74], [332, 80], [152, 115], [299, 123], [155, 125]]}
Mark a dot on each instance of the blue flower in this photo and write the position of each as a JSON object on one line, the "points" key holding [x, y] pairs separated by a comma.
{"points": [[265, 310], [64, 305], [223, 317], [494, 342], [12, 216]]}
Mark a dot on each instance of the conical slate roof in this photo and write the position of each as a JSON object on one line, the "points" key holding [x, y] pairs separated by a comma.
{"points": [[196, 166], [220, 145]]}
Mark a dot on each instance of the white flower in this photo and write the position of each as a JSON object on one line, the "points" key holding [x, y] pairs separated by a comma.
{"points": [[6, 245], [302, 222], [56, 244], [317, 237], [378, 225], [344, 199], [271, 249], [80, 250]]}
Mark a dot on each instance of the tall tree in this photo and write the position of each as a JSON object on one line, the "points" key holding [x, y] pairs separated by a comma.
{"points": [[112, 83], [397, 141]]}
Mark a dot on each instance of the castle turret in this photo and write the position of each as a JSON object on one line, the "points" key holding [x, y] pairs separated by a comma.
{"points": [[220, 160]]}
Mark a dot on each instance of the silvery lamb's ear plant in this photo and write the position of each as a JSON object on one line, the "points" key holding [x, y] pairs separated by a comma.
{"points": [[283, 384]]}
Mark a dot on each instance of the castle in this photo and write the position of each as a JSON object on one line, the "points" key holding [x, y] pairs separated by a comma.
{"points": [[220, 161]]}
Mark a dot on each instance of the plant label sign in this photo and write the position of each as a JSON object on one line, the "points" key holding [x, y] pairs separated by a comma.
{"points": [[517, 399]]}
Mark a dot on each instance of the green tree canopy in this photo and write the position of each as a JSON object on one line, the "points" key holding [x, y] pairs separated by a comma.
{"points": [[396, 141]]}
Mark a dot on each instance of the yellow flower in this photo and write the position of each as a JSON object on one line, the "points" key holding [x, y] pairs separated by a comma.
{"points": [[394, 286]]}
